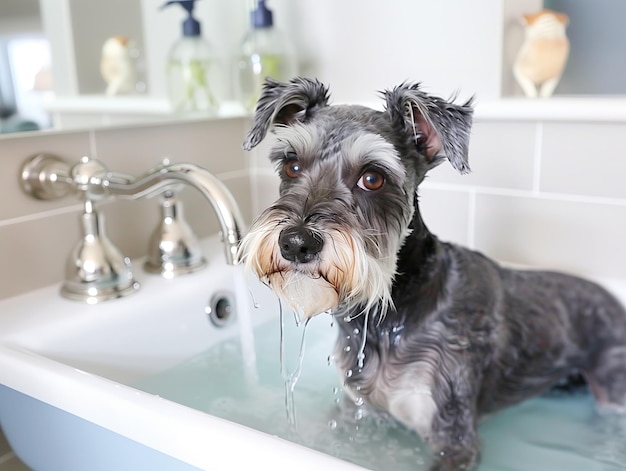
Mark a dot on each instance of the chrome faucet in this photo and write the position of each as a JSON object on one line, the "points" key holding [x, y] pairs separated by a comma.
{"points": [[96, 271]]}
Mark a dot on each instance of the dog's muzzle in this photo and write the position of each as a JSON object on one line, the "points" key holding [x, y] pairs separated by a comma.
{"points": [[299, 244], [315, 271]]}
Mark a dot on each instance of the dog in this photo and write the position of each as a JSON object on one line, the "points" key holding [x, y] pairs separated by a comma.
{"points": [[445, 335]]}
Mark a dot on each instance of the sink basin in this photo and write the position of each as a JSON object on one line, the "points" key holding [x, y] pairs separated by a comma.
{"points": [[69, 373], [186, 375]]}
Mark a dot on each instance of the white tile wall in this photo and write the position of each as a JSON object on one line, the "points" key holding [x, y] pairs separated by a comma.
{"points": [[501, 155], [582, 237], [447, 213], [584, 159], [546, 194]]}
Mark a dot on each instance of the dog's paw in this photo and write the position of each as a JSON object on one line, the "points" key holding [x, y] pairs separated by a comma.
{"points": [[455, 459]]}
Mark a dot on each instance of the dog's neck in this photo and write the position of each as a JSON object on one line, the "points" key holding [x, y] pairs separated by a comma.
{"points": [[419, 273], [417, 249]]}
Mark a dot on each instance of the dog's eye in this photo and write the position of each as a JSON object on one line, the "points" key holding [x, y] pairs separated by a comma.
{"points": [[292, 168], [371, 181]]}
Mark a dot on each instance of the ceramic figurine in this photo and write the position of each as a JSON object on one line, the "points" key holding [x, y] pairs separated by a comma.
{"points": [[117, 66], [543, 55]]}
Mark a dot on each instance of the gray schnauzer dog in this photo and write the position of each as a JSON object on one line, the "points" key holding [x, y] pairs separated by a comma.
{"points": [[446, 334]]}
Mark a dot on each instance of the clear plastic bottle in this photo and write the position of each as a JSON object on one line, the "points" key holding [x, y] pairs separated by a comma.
{"points": [[193, 71], [265, 52]]}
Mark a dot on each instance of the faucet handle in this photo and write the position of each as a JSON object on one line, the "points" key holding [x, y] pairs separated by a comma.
{"points": [[46, 176], [173, 249]]}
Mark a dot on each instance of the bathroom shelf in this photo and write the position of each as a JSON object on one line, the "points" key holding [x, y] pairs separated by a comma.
{"points": [[97, 110], [557, 108]]}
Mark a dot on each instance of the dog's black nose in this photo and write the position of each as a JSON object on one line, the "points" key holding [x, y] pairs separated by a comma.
{"points": [[298, 244]]}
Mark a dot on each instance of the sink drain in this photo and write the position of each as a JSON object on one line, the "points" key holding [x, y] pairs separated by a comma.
{"points": [[221, 309]]}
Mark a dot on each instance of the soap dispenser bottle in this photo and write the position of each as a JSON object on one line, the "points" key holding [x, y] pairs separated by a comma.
{"points": [[265, 52], [192, 67]]}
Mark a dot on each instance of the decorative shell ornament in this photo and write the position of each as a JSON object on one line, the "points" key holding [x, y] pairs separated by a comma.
{"points": [[117, 66], [541, 59]]}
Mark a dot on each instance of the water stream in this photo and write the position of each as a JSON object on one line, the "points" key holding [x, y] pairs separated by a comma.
{"points": [[291, 378], [244, 302]]}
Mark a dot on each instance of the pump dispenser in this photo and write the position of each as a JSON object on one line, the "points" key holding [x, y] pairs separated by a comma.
{"points": [[193, 73], [265, 52]]}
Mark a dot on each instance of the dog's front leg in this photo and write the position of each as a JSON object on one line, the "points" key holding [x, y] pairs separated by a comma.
{"points": [[454, 439], [444, 416]]}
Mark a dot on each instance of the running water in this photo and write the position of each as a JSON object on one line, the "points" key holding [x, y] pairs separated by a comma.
{"points": [[291, 379], [244, 322]]}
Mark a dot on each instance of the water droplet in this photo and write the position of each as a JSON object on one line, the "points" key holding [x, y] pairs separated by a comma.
{"points": [[359, 387], [358, 401], [347, 348], [347, 319], [335, 390], [358, 415], [360, 359], [255, 304], [330, 359], [349, 373], [356, 331], [332, 424]]}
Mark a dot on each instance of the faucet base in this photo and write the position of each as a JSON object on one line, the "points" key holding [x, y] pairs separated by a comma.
{"points": [[96, 270], [170, 270], [94, 295]]}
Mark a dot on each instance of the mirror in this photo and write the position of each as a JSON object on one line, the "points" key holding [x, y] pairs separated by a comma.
{"points": [[25, 74], [51, 52], [57, 47]]}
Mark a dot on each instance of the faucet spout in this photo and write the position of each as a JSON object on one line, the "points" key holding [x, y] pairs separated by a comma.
{"points": [[155, 182]]}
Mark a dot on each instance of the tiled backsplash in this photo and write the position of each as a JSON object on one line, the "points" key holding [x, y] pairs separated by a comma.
{"points": [[541, 193], [547, 194]]}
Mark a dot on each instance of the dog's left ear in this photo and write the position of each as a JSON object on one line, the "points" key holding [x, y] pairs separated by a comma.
{"points": [[441, 129], [283, 104]]}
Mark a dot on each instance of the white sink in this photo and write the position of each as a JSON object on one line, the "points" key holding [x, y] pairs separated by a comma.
{"points": [[73, 376], [65, 370]]}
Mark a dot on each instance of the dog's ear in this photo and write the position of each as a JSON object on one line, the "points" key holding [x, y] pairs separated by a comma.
{"points": [[441, 129], [283, 104]]}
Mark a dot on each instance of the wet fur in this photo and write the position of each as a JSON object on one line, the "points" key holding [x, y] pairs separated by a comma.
{"points": [[451, 335]]}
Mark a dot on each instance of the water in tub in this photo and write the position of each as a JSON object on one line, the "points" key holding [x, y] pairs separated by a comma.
{"points": [[292, 389]]}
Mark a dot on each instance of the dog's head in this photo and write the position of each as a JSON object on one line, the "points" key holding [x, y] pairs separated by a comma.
{"points": [[349, 177]]}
